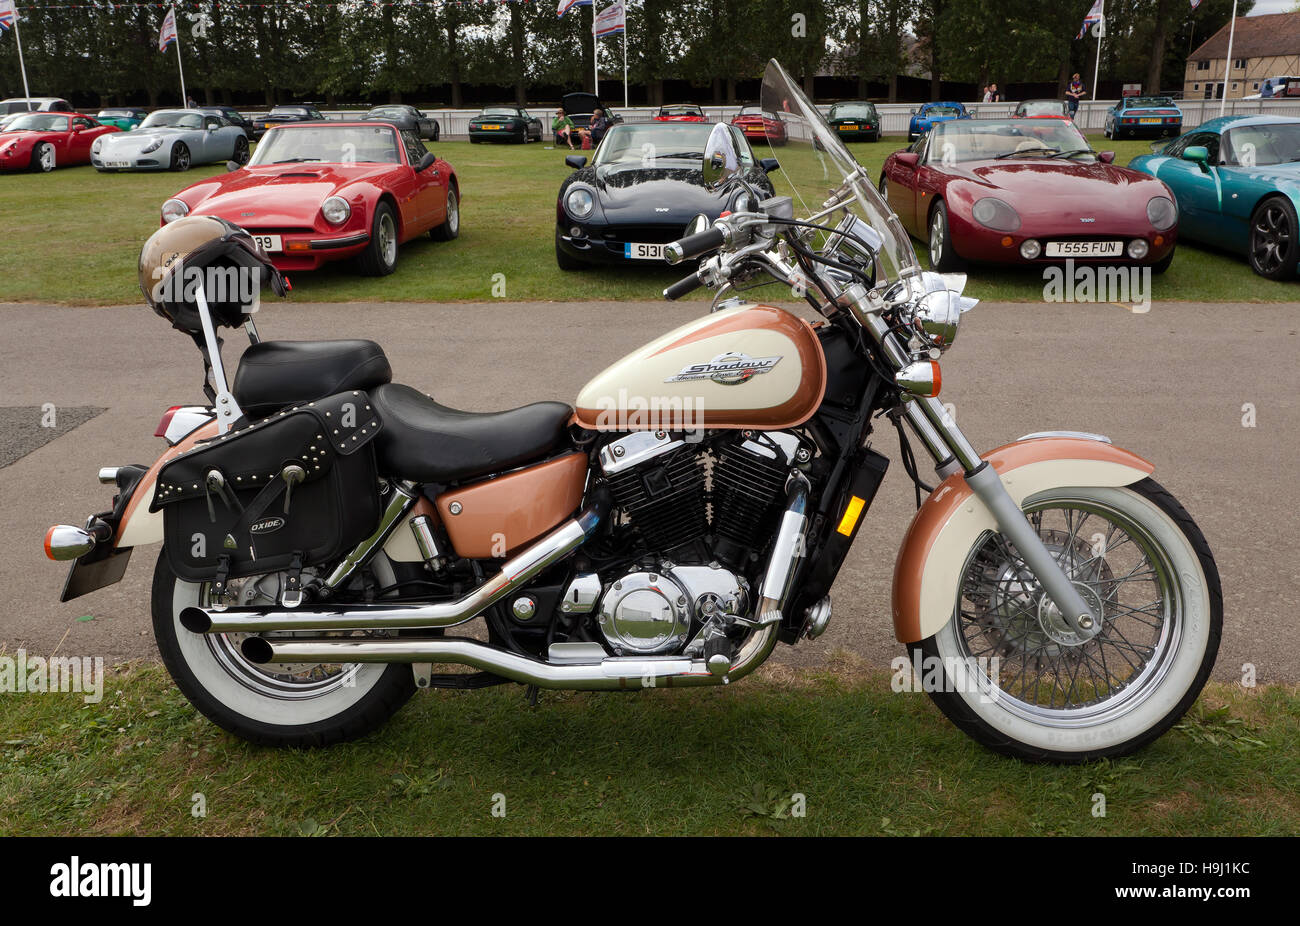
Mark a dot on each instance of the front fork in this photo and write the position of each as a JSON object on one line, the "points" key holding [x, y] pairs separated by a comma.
{"points": [[953, 453]]}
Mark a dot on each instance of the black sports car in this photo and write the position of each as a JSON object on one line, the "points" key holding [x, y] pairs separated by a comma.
{"points": [[580, 106], [405, 117], [234, 117], [505, 123], [279, 114], [642, 189]]}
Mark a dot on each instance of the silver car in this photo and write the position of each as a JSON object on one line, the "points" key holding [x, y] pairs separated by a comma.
{"points": [[172, 139]]}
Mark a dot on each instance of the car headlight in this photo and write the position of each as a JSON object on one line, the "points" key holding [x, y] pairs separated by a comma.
{"points": [[579, 202], [152, 146], [174, 209], [1162, 212], [99, 143], [336, 210], [995, 214]]}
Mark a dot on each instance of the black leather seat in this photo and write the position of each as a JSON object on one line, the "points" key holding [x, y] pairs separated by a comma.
{"points": [[276, 374], [427, 442]]}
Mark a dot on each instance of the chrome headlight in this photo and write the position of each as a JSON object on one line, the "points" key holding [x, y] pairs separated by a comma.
{"points": [[937, 314], [174, 209], [742, 202], [1162, 213], [336, 210], [152, 146], [579, 202], [995, 214]]}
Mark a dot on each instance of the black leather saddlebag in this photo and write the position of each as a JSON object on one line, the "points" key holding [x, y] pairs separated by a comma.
{"points": [[297, 489]]}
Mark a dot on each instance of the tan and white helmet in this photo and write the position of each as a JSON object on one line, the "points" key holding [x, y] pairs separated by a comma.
{"points": [[208, 251]]}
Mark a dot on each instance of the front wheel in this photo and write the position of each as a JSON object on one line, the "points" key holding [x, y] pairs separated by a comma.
{"points": [[272, 705], [380, 256], [1019, 680], [241, 151], [180, 157]]}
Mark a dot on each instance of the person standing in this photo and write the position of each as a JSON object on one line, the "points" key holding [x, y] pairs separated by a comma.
{"points": [[994, 95], [988, 94], [1075, 94]]}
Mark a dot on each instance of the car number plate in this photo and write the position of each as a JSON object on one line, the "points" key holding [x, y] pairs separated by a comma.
{"points": [[1085, 248], [643, 251], [117, 163], [1149, 120], [269, 243], [491, 127], [848, 128]]}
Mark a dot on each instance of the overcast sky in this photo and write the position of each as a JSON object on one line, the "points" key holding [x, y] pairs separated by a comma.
{"points": [[1272, 6]]}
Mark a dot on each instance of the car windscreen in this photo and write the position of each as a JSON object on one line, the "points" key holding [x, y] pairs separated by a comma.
{"points": [[175, 120], [986, 139], [750, 111], [288, 111], [852, 111], [503, 111], [342, 144], [115, 114], [941, 111], [389, 111], [38, 122], [1043, 108], [1149, 102], [680, 111], [646, 142], [1262, 145]]}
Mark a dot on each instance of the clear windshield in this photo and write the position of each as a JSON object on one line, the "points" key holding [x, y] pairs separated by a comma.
{"points": [[815, 165], [173, 119], [342, 144], [39, 122]]}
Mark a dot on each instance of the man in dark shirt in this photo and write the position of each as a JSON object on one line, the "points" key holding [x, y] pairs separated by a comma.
{"points": [[599, 126]]}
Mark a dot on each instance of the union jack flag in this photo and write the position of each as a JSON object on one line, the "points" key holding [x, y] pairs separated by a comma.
{"points": [[8, 14], [167, 34], [1094, 16]]}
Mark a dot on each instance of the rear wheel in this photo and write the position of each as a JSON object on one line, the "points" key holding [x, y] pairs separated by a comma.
{"points": [[180, 156], [380, 256], [1274, 250], [273, 705], [1023, 683], [450, 228], [43, 157], [241, 151]]}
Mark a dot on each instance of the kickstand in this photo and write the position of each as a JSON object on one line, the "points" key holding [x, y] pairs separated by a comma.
{"points": [[531, 695]]}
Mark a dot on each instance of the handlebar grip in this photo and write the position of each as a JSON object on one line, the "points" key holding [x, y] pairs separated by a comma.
{"points": [[694, 245], [683, 286]]}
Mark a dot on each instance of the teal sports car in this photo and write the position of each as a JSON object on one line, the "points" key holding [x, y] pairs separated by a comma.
{"points": [[1237, 182]]}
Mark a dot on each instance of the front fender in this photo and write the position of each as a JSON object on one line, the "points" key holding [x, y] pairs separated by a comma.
{"points": [[927, 574]]}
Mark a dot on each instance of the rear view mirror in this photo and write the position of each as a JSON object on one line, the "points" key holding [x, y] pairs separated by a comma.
{"points": [[576, 161], [232, 166], [908, 159], [769, 165], [1199, 155], [721, 158], [426, 162], [1106, 157]]}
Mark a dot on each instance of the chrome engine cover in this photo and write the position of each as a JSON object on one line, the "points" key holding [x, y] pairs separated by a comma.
{"points": [[651, 612]]}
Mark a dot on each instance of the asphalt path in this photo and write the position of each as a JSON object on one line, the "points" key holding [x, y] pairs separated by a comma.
{"points": [[1207, 392]]}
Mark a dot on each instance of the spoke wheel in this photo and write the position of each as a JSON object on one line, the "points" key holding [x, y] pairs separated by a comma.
{"points": [[181, 157], [1273, 248]]}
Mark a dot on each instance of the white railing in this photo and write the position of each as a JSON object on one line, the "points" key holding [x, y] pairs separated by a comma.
{"points": [[894, 117]]}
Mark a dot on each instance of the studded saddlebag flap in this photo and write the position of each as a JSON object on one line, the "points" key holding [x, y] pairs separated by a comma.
{"points": [[296, 489]]}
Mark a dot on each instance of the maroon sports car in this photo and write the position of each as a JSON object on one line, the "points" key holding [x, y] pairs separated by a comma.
{"points": [[323, 191], [1026, 191], [42, 141]]}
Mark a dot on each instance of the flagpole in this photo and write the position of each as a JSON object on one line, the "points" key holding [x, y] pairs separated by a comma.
{"points": [[1227, 65], [185, 97], [1096, 70], [21, 66], [595, 53], [625, 106]]}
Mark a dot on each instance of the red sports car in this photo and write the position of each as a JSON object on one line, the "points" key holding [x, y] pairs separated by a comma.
{"points": [[758, 127], [42, 141], [317, 192], [1026, 191], [680, 112]]}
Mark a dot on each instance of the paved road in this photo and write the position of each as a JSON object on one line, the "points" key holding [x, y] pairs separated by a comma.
{"points": [[1170, 384]]}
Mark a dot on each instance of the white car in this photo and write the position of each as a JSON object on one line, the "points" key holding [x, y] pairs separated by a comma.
{"points": [[171, 139], [34, 104]]}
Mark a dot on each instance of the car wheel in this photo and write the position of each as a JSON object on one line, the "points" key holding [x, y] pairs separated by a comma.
{"points": [[564, 260], [180, 156], [43, 157], [380, 256], [451, 227], [241, 151], [943, 259], [1274, 250]]}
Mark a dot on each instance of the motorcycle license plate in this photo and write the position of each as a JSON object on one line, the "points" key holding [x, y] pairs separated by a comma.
{"points": [[1145, 121], [643, 251], [269, 243], [1085, 248]]}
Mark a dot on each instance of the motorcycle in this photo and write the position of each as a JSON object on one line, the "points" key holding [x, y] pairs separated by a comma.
{"points": [[323, 527]]}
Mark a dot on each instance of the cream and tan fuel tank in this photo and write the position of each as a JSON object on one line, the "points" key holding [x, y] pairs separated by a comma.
{"points": [[753, 366]]}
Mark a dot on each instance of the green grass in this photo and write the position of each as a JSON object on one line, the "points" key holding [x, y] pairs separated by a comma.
{"points": [[665, 762], [81, 233]]}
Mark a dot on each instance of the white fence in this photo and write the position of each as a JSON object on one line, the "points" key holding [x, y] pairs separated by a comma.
{"points": [[894, 117]]}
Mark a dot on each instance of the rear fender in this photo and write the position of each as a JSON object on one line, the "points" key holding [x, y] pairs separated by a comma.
{"points": [[138, 524], [927, 574]]}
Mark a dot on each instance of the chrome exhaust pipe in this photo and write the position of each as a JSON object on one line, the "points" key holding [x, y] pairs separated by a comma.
{"points": [[611, 673], [787, 550], [515, 572]]}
